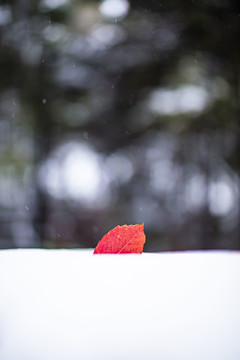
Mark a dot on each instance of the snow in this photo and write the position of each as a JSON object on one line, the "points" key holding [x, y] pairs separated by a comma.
{"points": [[71, 305]]}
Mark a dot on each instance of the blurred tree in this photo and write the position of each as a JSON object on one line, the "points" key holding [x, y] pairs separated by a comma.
{"points": [[132, 111]]}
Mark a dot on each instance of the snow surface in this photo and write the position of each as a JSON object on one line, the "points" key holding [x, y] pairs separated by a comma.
{"points": [[70, 305]]}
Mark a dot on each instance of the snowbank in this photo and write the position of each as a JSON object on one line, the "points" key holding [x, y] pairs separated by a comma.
{"points": [[71, 305]]}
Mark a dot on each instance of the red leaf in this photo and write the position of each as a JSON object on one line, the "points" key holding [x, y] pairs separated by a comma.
{"points": [[122, 240]]}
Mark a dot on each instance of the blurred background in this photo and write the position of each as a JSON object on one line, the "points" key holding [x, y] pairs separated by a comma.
{"points": [[115, 112]]}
